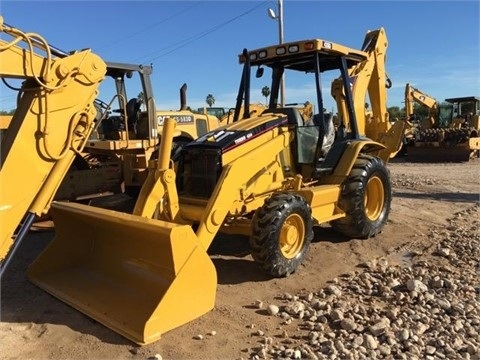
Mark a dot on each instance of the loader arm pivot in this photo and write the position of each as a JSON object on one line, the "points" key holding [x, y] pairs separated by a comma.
{"points": [[52, 122], [233, 177]]}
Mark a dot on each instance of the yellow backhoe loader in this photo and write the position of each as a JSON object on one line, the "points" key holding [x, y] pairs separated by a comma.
{"points": [[272, 176], [127, 135], [451, 131]]}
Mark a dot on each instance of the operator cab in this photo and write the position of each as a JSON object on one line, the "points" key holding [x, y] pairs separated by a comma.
{"points": [[129, 110], [319, 142]]}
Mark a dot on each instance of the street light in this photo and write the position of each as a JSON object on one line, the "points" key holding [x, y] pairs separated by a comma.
{"points": [[279, 18]]}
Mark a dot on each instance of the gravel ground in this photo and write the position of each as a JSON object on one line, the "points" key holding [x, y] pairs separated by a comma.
{"points": [[412, 292], [425, 309]]}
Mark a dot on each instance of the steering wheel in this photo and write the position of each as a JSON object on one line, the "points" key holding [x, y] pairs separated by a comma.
{"points": [[101, 104], [102, 109]]}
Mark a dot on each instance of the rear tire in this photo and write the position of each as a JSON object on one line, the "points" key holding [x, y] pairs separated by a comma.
{"points": [[282, 230], [366, 199]]}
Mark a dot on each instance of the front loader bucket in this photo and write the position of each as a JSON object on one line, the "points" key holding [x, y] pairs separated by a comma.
{"points": [[139, 277]]}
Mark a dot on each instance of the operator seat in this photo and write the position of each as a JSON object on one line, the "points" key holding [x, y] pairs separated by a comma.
{"points": [[133, 111], [326, 130], [293, 115]]}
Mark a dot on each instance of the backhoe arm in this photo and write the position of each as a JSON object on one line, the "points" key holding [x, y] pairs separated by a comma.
{"points": [[367, 77], [53, 120], [413, 95]]}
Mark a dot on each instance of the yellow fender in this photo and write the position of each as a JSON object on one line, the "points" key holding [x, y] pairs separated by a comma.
{"points": [[351, 154]]}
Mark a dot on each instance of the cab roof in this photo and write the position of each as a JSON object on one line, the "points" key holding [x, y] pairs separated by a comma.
{"points": [[298, 55], [463, 99]]}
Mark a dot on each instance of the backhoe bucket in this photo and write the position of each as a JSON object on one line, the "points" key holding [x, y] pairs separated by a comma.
{"points": [[139, 277]]}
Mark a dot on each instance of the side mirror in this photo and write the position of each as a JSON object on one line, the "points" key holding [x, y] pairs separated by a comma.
{"points": [[259, 72]]}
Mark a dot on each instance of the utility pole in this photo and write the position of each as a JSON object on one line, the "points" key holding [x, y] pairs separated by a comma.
{"points": [[279, 17]]}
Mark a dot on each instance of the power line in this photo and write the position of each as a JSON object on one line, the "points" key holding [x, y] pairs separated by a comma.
{"points": [[112, 43], [189, 40]]}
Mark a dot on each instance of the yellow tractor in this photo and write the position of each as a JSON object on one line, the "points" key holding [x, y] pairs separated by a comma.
{"points": [[126, 135], [272, 177], [190, 125]]}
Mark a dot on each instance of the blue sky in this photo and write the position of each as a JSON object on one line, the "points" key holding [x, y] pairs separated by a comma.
{"points": [[433, 45]]}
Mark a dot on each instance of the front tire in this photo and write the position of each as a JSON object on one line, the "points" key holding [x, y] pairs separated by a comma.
{"points": [[366, 199], [282, 230]]}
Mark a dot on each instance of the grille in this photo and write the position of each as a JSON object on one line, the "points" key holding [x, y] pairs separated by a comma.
{"points": [[198, 171]]}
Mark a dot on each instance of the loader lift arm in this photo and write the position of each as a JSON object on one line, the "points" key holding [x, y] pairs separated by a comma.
{"points": [[53, 120]]}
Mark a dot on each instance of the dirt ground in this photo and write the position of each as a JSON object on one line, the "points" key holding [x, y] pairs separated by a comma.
{"points": [[35, 325]]}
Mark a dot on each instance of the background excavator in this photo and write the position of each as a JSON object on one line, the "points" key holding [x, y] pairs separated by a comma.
{"points": [[450, 132], [414, 96], [271, 177]]}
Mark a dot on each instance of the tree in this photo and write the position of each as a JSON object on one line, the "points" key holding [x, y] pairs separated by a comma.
{"points": [[421, 112], [266, 93], [395, 112], [210, 100]]}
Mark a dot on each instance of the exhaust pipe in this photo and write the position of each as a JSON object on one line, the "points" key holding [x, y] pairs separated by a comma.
{"points": [[183, 97]]}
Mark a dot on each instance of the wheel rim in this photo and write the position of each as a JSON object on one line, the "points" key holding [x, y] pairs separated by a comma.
{"points": [[292, 236], [374, 198]]}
